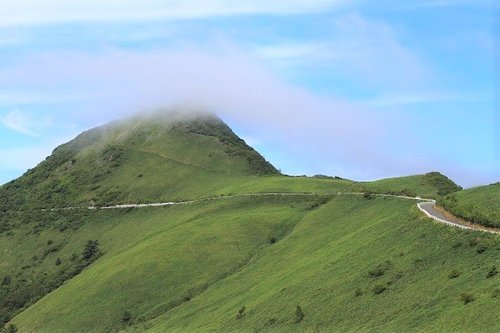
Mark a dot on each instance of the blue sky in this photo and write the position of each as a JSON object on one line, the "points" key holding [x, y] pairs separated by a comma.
{"points": [[359, 89]]}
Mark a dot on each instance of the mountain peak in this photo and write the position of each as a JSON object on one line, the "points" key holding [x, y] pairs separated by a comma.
{"points": [[152, 156]]}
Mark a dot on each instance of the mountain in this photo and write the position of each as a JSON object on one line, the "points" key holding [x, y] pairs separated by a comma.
{"points": [[138, 160], [253, 251]]}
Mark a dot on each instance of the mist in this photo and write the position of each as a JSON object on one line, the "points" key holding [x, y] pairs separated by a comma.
{"points": [[321, 133]]}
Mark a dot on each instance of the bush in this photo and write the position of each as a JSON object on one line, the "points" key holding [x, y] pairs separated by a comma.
{"points": [[492, 272], [272, 240], [91, 250], [380, 269], [6, 280], [58, 261], [481, 248], [358, 292], [299, 314], [126, 317], [379, 289], [467, 298], [241, 313], [453, 274], [11, 328]]}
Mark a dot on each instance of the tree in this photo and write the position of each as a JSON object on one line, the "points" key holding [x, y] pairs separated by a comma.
{"points": [[91, 251]]}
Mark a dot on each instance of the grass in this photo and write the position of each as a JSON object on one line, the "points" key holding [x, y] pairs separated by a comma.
{"points": [[479, 205], [319, 262], [192, 268], [431, 185]]}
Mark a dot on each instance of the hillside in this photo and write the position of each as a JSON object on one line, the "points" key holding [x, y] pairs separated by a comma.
{"points": [[431, 185], [479, 205], [158, 156], [258, 251]]}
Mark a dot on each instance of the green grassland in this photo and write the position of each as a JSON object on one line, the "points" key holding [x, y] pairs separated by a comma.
{"points": [[233, 263], [431, 185], [352, 264], [479, 205]]}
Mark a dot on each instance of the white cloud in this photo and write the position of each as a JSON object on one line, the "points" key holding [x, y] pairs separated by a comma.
{"points": [[367, 52], [427, 97], [33, 12], [24, 122]]}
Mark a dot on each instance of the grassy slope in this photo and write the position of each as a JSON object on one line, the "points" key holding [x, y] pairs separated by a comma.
{"points": [[430, 185], [155, 258], [139, 159], [219, 256], [479, 205]]}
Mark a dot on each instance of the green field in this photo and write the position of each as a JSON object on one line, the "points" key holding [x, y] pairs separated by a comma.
{"points": [[317, 261], [480, 205]]}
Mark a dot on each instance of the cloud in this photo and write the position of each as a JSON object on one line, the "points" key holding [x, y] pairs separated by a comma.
{"points": [[32, 12], [224, 79], [24, 122], [448, 3], [355, 49], [330, 135]]}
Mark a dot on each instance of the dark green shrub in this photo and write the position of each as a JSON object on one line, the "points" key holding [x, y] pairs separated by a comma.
{"points": [[378, 289], [481, 248], [358, 292], [58, 261], [126, 317], [11, 328], [241, 313], [380, 269], [272, 240], [299, 314], [6, 280], [453, 274], [91, 250], [467, 298], [492, 272]]}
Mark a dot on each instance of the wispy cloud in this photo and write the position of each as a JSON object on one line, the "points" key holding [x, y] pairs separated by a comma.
{"points": [[24, 123], [447, 3], [356, 49], [428, 97], [32, 12]]}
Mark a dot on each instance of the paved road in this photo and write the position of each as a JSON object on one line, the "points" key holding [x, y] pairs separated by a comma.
{"points": [[425, 205]]}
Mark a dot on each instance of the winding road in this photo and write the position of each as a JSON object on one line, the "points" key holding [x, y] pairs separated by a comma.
{"points": [[427, 206]]}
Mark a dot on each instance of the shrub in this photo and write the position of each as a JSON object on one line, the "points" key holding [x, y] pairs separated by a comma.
{"points": [[126, 317], [481, 248], [241, 312], [368, 195], [91, 250], [492, 272], [58, 261], [380, 269], [11, 328], [358, 292], [379, 289], [299, 314], [272, 240], [6, 280], [453, 274], [467, 298]]}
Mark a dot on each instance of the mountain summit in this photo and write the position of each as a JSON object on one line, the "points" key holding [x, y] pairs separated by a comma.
{"points": [[150, 156]]}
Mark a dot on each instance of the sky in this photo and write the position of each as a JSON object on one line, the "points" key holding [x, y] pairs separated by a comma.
{"points": [[353, 88]]}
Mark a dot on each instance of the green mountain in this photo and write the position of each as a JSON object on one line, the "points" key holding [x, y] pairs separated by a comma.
{"points": [[479, 205], [159, 156], [254, 251]]}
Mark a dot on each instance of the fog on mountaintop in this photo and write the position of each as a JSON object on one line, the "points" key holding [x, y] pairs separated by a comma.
{"points": [[346, 139]]}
